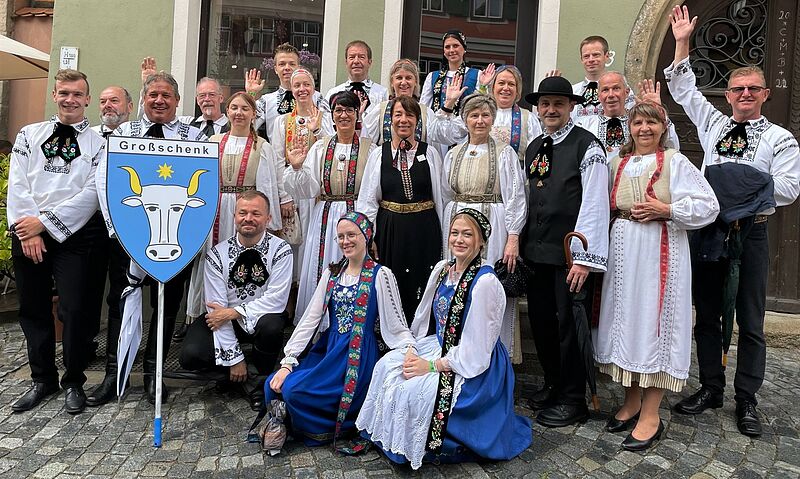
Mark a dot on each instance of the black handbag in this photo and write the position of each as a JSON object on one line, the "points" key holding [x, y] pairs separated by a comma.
{"points": [[514, 284]]}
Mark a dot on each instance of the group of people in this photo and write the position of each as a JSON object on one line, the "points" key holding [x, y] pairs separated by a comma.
{"points": [[390, 209]]}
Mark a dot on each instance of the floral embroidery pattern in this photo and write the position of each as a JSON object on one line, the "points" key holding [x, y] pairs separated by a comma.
{"points": [[344, 298], [350, 189], [451, 336], [516, 127]]}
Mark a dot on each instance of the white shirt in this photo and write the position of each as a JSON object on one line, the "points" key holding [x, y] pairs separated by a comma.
{"points": [[219, 123], [770, 148], [598, 125], [250, 301], [62, 195], [588, 110], [375, 91]]}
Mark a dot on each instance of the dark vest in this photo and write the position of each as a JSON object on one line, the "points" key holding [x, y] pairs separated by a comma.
{"points": [[553, 208], [392, 182]]}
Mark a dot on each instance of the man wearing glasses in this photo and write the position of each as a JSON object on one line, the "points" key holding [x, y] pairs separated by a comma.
{"points": [[753, 166]]}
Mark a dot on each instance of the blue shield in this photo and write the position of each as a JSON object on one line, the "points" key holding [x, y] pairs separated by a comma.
{"points": [[162, 198]]}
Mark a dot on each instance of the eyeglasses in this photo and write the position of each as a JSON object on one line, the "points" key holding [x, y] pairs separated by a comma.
{"points": [[344, 111], [738, 90]]}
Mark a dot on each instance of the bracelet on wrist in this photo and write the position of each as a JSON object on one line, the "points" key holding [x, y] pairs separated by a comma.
{"points": [[432, 366], [286, 368], [253, 94], [447, 110]]}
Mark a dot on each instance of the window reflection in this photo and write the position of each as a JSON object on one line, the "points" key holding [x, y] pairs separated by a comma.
{"points": [[244, 33]]}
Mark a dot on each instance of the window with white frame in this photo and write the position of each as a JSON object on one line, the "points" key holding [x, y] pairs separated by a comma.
{"points": [[432, 5], [487, 8]]}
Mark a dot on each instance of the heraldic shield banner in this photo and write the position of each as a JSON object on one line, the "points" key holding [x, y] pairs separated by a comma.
{"points": [[162, 199]]}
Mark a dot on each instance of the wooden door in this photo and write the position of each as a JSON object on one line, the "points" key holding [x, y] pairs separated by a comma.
{"points": [[731, 34]]}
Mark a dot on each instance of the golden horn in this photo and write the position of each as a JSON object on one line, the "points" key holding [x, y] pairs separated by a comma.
{"points": [[136, 185], [194, 182]]}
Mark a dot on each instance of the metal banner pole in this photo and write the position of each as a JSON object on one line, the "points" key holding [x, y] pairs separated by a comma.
{"points": [[159, 366]]}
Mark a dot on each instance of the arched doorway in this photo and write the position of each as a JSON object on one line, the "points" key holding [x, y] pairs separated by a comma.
{"points": [[734, 33]]}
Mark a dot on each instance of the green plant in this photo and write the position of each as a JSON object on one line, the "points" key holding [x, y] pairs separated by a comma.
{"points": [[6, 265]]}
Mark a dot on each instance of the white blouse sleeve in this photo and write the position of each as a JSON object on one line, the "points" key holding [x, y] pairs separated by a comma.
{"points": [[444, 128], [533, 126], [426, 96], [421, 321], [20, 197], [369, 195], [305, 182], [394, 328], [261, 112], [785, 169], [100, 186], [444, 177], [308, 324], [594, 215], [279, 160], [73, 213], [215, 289], [672, 137], [435, 165], [372, 123], [512, 187], [267, 183], [694, 204], [681, 82], [473, 355]]}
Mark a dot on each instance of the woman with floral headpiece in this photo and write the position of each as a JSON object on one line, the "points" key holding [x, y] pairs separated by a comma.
{"points": [[356, 312], [453, 399], [330, 172]]}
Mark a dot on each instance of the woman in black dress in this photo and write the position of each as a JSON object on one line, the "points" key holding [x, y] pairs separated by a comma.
{"points": [[401, 193]]}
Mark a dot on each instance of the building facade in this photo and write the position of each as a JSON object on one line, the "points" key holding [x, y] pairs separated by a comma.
{"points": [[223, 38]]}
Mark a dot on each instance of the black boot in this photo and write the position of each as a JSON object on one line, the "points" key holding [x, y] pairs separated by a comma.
{"points": [[106, 391], [264, 363]]}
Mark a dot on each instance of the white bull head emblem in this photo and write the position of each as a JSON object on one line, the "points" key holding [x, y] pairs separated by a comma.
{"points": [[164, 205]]}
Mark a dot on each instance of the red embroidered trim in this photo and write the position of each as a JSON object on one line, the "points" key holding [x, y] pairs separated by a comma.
{"points": [[239, 180]]}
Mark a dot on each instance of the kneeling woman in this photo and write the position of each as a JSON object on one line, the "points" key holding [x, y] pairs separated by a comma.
{"points": [[460, 364], [324, 392]]}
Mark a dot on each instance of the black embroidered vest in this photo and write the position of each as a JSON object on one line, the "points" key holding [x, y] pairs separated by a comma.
{"points": [[391, 180], [553, 207]]}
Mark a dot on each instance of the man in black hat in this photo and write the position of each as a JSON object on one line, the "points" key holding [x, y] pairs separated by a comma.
{"points": [[568, 173]]}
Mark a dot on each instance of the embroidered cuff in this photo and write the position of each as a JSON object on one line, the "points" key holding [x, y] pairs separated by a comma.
{"points": [[596, 262], [54, 226], [229, 356]]}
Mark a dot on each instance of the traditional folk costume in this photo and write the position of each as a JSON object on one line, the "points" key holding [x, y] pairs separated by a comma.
{"points": [[753, 167], [434, 89], [285, 129], [439, 128], [587, 89], [615, 132], [645, 330], [272, 105], [487, 178], [254, 281], [332, 174], [357, 319], [174, 288], [568, 174], [516, 127], [401, 192], [451, 416], [246, 163], [52, 177], [209, 127], [369, 91]]}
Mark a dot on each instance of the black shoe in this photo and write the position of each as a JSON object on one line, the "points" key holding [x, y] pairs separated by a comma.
{"points": [[542, 399], [105, 392], [150, 389], [632, 444], [75, 400], [180, 332], [256, 397], [562, 415], [617, 425], [34, 396], [699, 402], [747, 418]]}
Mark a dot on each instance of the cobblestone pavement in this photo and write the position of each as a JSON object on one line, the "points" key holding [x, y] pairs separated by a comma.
{"points": [[204, 437]]}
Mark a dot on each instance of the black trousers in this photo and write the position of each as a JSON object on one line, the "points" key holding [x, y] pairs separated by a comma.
{"points": [[708, 279], [98, 268], [197, 352], [67, 265], [117, 262], [554, 333], [174, 291]]}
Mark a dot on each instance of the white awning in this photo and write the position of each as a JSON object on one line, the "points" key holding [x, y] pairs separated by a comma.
{"points": [[19, 61]]}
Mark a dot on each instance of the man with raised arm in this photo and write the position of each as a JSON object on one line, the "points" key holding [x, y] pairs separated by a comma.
{"points": [[753, 166]]}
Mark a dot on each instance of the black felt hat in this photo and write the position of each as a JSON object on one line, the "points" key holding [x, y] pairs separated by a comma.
{"points": [[554, 85]]}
